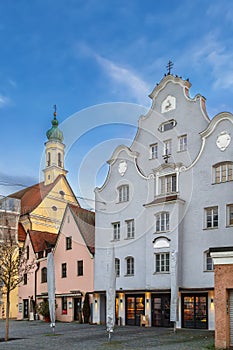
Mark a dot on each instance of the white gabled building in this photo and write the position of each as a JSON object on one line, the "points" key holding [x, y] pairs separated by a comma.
{"points": [[166, 201]]}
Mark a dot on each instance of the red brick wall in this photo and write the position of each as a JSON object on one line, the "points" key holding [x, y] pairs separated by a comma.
{"points": [[223, 282]]}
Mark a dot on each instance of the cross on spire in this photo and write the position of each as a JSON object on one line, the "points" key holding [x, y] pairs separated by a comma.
{"points": [[55, 110], [169, 66]]}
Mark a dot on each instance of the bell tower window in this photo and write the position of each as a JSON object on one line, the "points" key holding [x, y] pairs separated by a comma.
{"points": [[59, 160], [48, 159]]}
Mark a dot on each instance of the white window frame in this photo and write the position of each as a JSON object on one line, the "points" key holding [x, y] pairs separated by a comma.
{"points": [[229, 212], [162, 262], [211, 217], [129, 266], [167, 147], [154, 151], [209, 264], [168, 125], [116, 230], [130, 227], [123, 191], [168, 184], [162, 222], [223, 172], [117, 267], [183, 143]]}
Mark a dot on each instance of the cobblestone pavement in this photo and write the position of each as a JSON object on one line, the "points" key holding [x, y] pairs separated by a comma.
{"points": [[38, 335]]}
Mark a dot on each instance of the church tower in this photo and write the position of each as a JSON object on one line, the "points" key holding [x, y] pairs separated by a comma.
{"points": [[54, 153]]}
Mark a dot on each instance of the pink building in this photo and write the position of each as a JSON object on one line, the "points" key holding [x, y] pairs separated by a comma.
{"points": [[73, 249]]}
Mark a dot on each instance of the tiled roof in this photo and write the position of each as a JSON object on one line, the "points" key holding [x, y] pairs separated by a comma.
{"points": [[21, 233], [85, 220], [32, 196], [42, 240]]}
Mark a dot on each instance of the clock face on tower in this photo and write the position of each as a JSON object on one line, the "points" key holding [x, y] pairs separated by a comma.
{"points": [[168, 104]]}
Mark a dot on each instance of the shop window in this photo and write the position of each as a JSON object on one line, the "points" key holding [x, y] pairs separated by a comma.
{"points": [[64, 305]]}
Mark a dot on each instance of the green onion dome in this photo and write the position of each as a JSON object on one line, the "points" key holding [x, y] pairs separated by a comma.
{"points": [[55, 134]]}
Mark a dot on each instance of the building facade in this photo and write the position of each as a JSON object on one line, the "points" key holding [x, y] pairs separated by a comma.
{"points": [[166, 201]]}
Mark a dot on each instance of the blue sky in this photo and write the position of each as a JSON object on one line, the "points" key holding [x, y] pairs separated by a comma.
{"points": [[82, 55]]}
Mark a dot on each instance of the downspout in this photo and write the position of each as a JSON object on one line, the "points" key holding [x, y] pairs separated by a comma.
{"points": [[36, 270]]}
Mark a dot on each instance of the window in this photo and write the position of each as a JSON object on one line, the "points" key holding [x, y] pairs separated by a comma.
{"points": [[116, 231], [40, 254], [68, 243], [130, 266], [211, 217], [59, 160], [123, 193], [167, 147], [223, 172], [117, 267], [44, 275], [64, 305], [25, 278], [27, 252], [63, 270], [130, 228], [162, 222], [162, 262], [168, 184], [209, 266], [49, 159], [229, 214], [154, 151], [170, 124], [80, 267], [183, 143]]}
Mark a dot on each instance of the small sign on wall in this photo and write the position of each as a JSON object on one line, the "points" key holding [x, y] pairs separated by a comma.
{"points": [[20, 307]]}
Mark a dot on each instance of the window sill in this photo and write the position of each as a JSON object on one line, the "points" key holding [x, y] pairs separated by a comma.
{"points": [[129, 275], [159, 232], [128, 238], [210, 228], [208, 271], [162, 273]]}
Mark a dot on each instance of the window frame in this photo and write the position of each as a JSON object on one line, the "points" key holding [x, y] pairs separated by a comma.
{"points": [[209, 264], [69, 243], [44, 275], [63, 270], [130, 229], [162, 222], [183, 146], [168, 125], [80, 268], [130, 268], [64, 305], [25, 279], [116, 230], [162, 262], [229, 213], [123, 193], [154, 151], [210, 218], [221, 175], [167, 147], [117, 267], [168, 184]]}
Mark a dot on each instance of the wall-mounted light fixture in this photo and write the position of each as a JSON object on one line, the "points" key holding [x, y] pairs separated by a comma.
{"points": [[96, 301], [211, 300], [147, 300], [121, 300]]}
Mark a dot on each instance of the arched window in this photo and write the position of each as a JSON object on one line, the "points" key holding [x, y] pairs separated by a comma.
{"points": [[44, 275], [223, 172], [123, 193], [59, 160], [117, 267], [129, 266]]}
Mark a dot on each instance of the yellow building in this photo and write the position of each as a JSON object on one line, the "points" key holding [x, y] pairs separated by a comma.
{"points": [[43, 204]]}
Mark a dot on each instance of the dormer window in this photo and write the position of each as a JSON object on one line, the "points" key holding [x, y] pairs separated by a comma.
{"points": [[170, 124]]}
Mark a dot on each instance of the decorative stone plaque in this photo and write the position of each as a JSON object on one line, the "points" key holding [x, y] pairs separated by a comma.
{"points": [[168, 104], [122, 167], [223, 140]]}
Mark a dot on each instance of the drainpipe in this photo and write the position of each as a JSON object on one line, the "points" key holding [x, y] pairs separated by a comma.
{"points": [[36, 270]]}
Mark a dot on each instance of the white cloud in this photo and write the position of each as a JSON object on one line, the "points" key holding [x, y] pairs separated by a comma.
{"points": [[4, 101], [137, 87]]}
